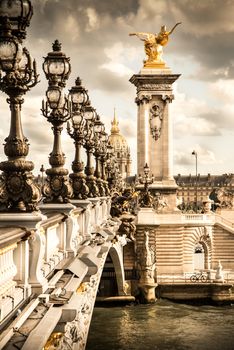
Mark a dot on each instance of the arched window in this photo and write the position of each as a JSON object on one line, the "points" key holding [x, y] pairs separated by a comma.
{"points": [[199, 257]]}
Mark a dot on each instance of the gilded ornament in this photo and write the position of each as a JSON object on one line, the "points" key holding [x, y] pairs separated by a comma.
{"points": [[154, 46]]}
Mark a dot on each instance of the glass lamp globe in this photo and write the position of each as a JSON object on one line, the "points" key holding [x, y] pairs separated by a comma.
{"points": [[10, 50], [53, 95], [77, 120], [89, 113], [19, 13], [78, 93], [57, 65], [10, 54], [98, 125]]}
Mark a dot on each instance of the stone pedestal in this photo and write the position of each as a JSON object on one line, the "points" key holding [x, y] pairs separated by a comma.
{"points": [[26, 221], [219, 278], [148, 291], [85, 223], [154, 129]]}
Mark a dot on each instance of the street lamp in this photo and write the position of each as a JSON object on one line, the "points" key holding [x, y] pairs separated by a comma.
{"points": [[18, 74], [146, 180], [103, 160], [42, 170], [194, 153], [75, 128], [98, 145], [90, 116], [57, 68], [19, 13]]}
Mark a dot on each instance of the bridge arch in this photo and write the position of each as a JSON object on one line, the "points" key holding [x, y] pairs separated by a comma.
{"points": [[117, 258]]}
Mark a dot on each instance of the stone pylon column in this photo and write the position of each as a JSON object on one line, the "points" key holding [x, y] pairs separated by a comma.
{"points": [[154, 127]]}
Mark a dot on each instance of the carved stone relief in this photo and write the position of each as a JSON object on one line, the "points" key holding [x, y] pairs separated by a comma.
{"points": [[155, 120]]}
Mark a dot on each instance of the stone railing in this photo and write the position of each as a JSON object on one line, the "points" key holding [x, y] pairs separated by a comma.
{"points": [[207, 218], [220, 220], [32, 253], [194, 217]]}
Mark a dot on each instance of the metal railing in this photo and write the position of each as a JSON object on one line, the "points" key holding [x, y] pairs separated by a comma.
{"points": [[186, 278]]}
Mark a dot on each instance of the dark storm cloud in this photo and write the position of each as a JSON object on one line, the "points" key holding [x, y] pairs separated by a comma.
{"points": [[114, 8], [204, 37], [84, 36], [207, 35]]}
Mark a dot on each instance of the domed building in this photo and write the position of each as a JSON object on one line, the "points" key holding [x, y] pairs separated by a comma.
{"points": [[121, 149]]}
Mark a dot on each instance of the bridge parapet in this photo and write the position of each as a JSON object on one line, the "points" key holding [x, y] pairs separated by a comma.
{"points": [[35, 255]]}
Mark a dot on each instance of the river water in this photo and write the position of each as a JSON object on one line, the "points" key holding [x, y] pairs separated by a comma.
{"points": [[163, 326]]}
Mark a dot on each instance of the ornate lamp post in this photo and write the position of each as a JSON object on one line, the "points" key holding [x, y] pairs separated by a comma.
{"points": [[90, 116], [103, 159], [146, 198], [194, 153], [18, 74], [42, 170], [57, 68], [98, 143], [79, 97], [109, 163]]}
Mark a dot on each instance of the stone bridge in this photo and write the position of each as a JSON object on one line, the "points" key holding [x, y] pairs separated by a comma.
{"points": [[51, 265]]}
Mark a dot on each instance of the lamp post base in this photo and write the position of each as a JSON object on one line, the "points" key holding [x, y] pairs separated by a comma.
{"points": [[18, 192], [80, 189], [57, 188]]}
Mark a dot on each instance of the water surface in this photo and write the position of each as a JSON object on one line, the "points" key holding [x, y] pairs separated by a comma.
{"points": [[162, 326]]}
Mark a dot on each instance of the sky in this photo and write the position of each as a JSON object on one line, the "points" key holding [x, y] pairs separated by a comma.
{"points": [[95, 35]]}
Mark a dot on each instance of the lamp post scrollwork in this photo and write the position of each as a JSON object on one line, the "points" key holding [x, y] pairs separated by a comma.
{"points": [[75, 128], [56, 110], [98, 144], [103, 159], [109, 165], [194, 153], [18, 74], [146, 199], [90, 116]]}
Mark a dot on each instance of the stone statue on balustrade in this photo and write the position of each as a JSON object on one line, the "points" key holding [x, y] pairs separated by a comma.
{"points": [[147, 260], [225, 198], [154, 45], [125, 202], [127, 226], [155, 201], [159, 202]]}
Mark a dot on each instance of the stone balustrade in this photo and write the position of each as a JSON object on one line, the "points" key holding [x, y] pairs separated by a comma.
{"points": [[30, 255]]}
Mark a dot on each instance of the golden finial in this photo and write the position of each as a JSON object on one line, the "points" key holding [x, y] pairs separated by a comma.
{"points": [[115, 124]]}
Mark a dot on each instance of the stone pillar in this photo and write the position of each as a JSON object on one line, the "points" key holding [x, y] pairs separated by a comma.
{"points": [[154, 129], [154, 134]]}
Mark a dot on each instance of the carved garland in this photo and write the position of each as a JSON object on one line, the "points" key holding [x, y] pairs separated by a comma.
{"points": [[155, 120]]}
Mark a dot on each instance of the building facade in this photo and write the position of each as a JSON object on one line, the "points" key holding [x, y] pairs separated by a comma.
{"points": [[192, 190]]}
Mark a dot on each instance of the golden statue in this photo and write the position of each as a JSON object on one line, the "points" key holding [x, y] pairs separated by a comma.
{"points": [[154, 46]]}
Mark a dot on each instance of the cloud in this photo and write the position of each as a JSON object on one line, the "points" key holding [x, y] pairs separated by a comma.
{"points": [[223, 90], [116, 55], [193, 117], [185, 158], [94, 34], [196, 126], [93, 20]]}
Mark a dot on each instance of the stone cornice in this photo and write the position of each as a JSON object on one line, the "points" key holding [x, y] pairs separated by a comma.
{"points": [[152, 82], [9, 235]]}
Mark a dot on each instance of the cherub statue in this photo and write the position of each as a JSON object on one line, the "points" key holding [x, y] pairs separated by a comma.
{"points": [[154, 44]]}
